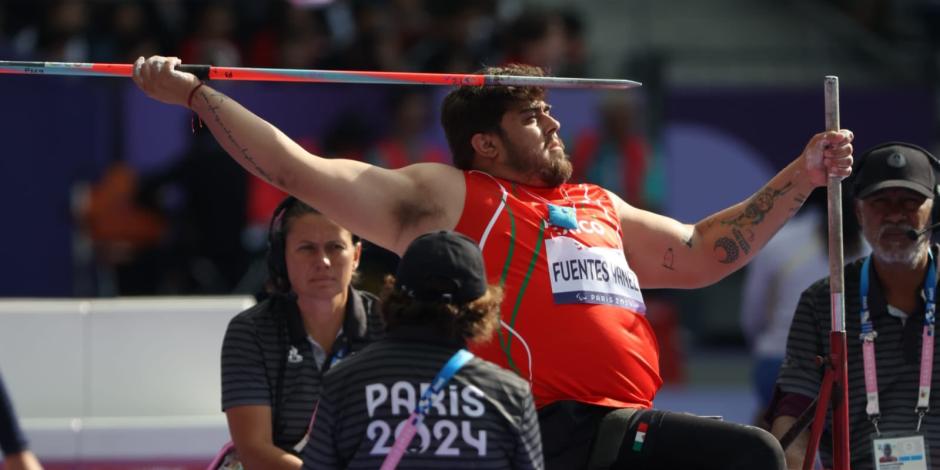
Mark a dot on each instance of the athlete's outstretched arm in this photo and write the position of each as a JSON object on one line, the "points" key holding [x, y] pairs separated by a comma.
{"points": [[666, 253], [387, 207]]}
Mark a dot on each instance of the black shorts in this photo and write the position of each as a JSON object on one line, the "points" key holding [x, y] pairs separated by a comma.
{"points": [[669, 440]]}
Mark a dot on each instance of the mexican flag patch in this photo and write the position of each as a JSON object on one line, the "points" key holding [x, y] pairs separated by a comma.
{"points": [[640, 437]]}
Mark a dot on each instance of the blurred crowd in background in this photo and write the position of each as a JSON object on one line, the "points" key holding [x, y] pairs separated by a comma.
{"points": [[401, 35]]}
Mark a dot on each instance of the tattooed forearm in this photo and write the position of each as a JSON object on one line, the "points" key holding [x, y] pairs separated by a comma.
{"points": [[742, 242], [798, 202], [252, 164], [729, 248], [758, 207]]}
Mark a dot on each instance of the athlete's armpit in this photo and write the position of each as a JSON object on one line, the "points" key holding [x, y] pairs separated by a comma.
{"points": [[412, 211]]}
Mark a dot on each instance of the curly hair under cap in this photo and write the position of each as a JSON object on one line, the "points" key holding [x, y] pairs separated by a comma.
{"points": [[470, 110], [473, 322]]}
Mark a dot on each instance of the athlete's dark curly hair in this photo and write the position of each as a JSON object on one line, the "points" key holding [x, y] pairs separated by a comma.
{"points": [[470, 110]]}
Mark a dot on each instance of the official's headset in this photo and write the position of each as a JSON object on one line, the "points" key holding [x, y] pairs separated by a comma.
{"points": [[277, 266]]}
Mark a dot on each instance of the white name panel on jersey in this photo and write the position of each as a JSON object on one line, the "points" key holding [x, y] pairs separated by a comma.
{"points": [[582, 274]]}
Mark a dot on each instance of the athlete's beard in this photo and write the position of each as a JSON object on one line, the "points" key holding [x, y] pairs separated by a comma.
{"points": [[899, 253], [553, 172]]}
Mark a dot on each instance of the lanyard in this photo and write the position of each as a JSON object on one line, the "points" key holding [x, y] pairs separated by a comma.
{"points": [[339, 355], [458, 360], [869, 334], [336, 357]]}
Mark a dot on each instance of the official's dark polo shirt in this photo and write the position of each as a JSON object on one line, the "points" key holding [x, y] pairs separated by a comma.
{"points": [[897, 356], [485, 419], [269, 336]]}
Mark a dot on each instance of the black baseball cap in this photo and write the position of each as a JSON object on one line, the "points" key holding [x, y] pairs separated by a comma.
{"points": [[895, 165], [442, 266]]}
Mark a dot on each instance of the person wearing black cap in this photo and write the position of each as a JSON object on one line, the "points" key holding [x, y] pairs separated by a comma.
{"points": [[894, 189], [483, 417]]}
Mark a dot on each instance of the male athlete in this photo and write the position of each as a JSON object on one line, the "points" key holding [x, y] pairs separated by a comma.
{"points": [[571, 257]]}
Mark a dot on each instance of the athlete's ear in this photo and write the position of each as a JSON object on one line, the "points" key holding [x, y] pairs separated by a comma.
{"points": [[484, 145]]}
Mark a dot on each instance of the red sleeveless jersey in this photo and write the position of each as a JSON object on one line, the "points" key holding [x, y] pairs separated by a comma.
{"points": [[573, 319]]}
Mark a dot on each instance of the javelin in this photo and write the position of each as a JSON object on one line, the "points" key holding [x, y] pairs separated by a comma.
{"points": [[210, 72]]}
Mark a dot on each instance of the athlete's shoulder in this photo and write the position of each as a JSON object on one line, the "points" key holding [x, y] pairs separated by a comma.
{"points": [[431, 178], [432, 170], [582, 186]]}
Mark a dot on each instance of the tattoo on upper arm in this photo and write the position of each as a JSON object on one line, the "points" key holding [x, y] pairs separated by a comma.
{"points": [[730, 249], [669, 259], [242, 151]]}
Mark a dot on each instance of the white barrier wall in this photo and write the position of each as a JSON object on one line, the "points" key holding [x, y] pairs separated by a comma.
{"points": [[125, 378]]}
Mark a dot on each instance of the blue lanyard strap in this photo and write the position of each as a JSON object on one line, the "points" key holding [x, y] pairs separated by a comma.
{"points": [[454, 364], [339, 355]]}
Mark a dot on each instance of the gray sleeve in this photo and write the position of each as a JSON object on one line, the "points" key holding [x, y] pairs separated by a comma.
{"points": [[244, 375], [799, 372], [12, 439], [529, 444], [320, 451]]}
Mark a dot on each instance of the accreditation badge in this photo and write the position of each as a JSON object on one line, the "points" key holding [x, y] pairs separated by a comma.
{"points": [[900, 451]]}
